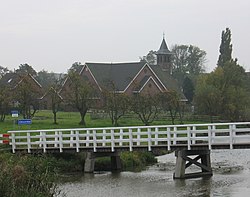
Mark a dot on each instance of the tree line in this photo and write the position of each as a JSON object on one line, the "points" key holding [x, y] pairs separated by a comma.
{"points": [[224, 92]]}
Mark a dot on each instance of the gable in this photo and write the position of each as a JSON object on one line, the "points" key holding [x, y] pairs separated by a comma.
{"points": [[145, 73], [148, 86]]}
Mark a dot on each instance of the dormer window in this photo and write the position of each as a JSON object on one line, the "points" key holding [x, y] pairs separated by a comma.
{"points": [[9, 80]]}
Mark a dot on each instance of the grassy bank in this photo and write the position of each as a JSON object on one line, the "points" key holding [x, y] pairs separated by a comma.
{"points": [[27, 176]]}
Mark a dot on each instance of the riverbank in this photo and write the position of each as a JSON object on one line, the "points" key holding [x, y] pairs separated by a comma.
{"points": [[37, 175]]}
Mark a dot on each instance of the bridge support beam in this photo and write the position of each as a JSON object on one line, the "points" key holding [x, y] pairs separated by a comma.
{"points": [[89, 165], [183, 161]]}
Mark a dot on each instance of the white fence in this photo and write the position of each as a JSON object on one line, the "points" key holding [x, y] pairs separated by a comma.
{"points": [[130, 137]]}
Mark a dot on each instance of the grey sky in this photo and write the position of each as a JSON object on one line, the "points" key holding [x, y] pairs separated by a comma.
{"points": [[53, 34]]}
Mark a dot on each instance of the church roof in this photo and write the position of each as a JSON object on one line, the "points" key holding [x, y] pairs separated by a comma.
{"points": [[163, 48], [120, 74]]}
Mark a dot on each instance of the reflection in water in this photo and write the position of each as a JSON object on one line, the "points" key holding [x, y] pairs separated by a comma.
{"points": [[231, 178]]}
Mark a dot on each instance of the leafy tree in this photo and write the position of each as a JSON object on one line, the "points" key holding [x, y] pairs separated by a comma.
{"points": [[208, 98], [48, 79], [116, 104], [76, 67], [3, 71], [26, 68], [150, 58], [187, 60], [223, 92], [5, 99], [225, 48], [27, 94], [188, 89], [80, 94], [145, 106]]}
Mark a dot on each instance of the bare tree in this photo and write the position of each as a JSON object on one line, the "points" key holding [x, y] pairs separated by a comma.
{"points": [[115, 104], [145, 106], [80, 95]]}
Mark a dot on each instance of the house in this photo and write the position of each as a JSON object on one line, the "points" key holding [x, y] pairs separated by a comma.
{"points": [[22, 88], [131, 77]]}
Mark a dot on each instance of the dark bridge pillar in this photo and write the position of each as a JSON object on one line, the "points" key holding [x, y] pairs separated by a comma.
{"points": [[182, 156], [89, 165], [116, 164]]}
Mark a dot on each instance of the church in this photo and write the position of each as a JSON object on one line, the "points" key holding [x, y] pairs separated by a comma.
{"points": [[131, 78]]}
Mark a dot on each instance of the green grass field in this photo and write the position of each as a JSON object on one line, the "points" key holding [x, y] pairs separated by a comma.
{"points": [[44, 120]]}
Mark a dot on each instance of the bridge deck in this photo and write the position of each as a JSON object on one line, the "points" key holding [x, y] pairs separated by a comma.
{"points": [[154, 149], [165, 137]]}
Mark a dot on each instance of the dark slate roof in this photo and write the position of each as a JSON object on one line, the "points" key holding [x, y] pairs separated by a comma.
{"points": [[10, 79], [168, 81], [121, 74], [163, 48]]}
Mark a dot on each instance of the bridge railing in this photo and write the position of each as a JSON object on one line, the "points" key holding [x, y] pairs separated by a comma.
{"points": [[131, 137]]}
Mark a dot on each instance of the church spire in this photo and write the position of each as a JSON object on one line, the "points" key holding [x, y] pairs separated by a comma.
{"points": [[164, 57]]}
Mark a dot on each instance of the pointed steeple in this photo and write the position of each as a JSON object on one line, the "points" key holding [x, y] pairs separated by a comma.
{"points": [[164, 57], [163, 48]]}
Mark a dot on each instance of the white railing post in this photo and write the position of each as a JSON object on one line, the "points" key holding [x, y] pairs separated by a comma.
{"points": [[130, 140], [60, 141], [13, 142], [175, 135], [56, 139], [156, 136], [149, 139], [104, 138], [231, 136], [169, 138], [87, 138], [71, 139], [213, 131], [44, 141], [94, 140], [112, 140], [193, 135], [28, 141], [138, 143], [121, 137], [77, 141], [209, 137], [41, 140], [189, 138]]}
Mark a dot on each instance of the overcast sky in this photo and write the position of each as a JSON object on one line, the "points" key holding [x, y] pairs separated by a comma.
{"points": [[53, 34]]}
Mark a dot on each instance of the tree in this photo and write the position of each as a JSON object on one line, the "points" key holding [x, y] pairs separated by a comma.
{"points": [[26, 68], [208, 98], [225, 48], [5, 99], [187, 60], [223, 92], [76, 67], [27, 95], [48, 79], [170, 102], [115, 104], [145, 106], [80, 95], [150, 58], [3, 71], [56, 100], [188, 89]]}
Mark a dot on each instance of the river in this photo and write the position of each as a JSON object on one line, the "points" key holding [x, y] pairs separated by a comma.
{"points": [[231, 177]]}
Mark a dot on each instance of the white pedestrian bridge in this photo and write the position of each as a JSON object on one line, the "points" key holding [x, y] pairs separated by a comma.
{"points": [[170, 137], [186, 140]]}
